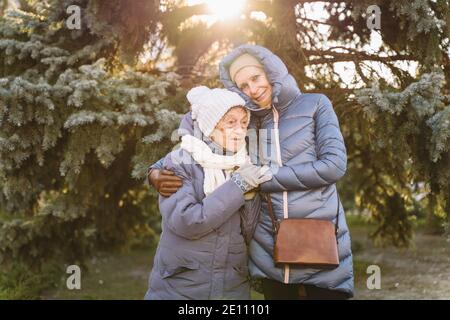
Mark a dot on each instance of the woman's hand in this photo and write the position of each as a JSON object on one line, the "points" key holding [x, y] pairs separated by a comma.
{"points": [[249, 176], [164, 181]]}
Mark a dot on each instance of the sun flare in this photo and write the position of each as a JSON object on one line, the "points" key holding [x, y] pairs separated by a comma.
{"points": [[220, 9], [226, 9]]}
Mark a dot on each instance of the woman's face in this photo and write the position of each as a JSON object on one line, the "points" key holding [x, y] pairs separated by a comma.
{"points": [[231, 130], [253, 82]]}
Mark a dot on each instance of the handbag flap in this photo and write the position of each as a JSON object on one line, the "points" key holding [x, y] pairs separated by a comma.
{"points": [[309, 242]]}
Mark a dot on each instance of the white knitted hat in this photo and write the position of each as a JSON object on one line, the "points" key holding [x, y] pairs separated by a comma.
{"points": [[210, 105]]}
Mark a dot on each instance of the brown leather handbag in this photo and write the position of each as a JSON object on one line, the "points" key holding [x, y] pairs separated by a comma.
{"points": [[304, 242]]}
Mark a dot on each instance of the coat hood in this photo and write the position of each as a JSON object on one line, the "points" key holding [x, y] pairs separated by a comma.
{"points": [[284, 86]]}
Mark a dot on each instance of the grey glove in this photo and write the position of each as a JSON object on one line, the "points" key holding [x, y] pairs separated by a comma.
{"points": [[249, 176]]}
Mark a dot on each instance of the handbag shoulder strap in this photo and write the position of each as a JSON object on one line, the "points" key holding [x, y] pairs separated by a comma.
{"points": [[266, 196], [275, 222]]}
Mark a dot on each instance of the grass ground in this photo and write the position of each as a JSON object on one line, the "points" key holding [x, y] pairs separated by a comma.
{"points": [[119, 275], [421, 272]]}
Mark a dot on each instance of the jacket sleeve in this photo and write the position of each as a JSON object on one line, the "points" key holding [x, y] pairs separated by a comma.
{"points": [[157, 165], [331, 163], [192, 218]]}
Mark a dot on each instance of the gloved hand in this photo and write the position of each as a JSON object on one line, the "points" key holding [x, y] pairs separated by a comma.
{"points": [[249, 176]]}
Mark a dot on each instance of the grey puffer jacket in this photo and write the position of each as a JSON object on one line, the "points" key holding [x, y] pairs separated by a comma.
{"points": [[202, 253], [302, 132]]}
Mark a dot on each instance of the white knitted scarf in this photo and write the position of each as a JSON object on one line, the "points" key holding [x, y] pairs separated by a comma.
{"points": [[212, 163]]}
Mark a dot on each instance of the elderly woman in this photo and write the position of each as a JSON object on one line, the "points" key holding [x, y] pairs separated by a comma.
{"points": [[301, 140], [202, 253]]}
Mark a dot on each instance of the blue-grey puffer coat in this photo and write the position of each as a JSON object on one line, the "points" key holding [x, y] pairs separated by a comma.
{"points": [[202, 253], [307, 146]]}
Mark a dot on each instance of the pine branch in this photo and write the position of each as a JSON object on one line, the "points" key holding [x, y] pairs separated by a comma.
{"points": [[359, 56]]}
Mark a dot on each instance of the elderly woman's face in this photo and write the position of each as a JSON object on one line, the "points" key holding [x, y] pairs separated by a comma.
{"points": [[253, 82], [231, 130]]}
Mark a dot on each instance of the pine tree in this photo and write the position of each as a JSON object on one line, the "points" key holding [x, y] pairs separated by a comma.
{"points": [[79, 125]]}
